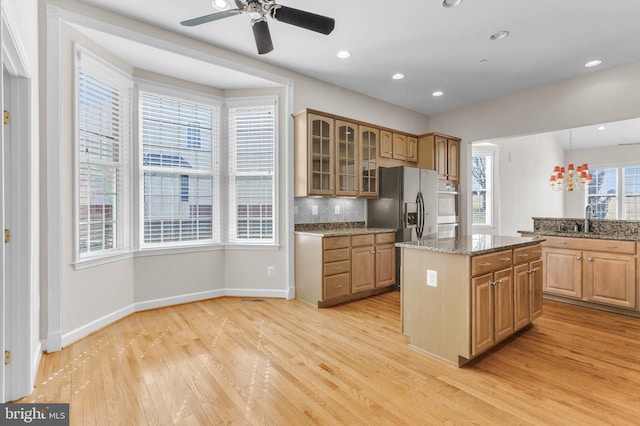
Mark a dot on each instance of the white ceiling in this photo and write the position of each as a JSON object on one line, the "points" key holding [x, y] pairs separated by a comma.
{"points": [[436, 48]]}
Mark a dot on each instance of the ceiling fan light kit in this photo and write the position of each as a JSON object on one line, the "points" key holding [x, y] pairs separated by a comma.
{"points": [[258, 10]]}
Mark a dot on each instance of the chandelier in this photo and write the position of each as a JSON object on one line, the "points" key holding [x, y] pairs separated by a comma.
{"points": [[572, 177]]}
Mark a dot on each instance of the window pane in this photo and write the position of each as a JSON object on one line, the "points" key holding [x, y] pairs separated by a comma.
{"points": [[251, 171], [178, 163], [603, 194], [481, 188], [102, 146], [631, 193]]}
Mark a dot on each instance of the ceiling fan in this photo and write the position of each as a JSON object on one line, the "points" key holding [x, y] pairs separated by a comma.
{"points": [[258, 10]]}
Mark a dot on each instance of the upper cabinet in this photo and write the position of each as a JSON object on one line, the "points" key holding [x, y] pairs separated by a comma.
{"points": [[386, 144], [399, 147], [369, 139], [334, 157], [442, 153]]}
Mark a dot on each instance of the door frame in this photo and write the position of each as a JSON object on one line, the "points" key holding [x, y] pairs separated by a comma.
{"points": [[18, 290]]}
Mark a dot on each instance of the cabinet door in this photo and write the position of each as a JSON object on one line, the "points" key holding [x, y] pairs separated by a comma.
{"points": [[503, 304], [481, 313], [362, 268], [385, 265], [610, 278], [453, 160], [412, 149], [521, 296], [441, 156], [535, 288], [386, 144], [369, 138], [399, 147], [347, 170], [563, 272], [321, 145]]}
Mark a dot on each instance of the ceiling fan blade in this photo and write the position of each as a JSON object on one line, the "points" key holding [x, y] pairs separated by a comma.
{"points": [[263, 36], [208, 18], [300, 18]]}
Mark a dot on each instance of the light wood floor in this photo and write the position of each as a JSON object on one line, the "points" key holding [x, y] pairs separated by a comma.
{"points": [[227, 361]]}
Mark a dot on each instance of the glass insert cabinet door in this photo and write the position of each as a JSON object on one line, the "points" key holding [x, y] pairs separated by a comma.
{"points": [[368, 164], [321, 146], [346, 161]]}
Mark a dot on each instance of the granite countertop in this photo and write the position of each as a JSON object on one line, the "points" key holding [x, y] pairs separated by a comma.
{"points": [[470, 245], [342, 232], [572, 234]]}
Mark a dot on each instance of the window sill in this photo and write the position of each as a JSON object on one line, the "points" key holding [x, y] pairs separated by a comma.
{"points": [[102, 260]]}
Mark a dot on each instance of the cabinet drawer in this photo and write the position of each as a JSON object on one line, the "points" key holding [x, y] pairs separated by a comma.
{"points": [[387, 237], [362, 240], [335, 242], [336, 268], [527, 254], [490, 262], [336, 255], [336, 286], [591, 244]]}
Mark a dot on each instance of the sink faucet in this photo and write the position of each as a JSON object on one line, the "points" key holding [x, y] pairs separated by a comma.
{"points": [[588, 214]]}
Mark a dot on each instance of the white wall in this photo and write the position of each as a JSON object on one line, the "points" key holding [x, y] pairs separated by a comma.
{"points": [[597, 97], [524, 169]]}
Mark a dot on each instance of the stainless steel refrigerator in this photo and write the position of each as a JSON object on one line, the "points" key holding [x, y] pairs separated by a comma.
{"points": [[407, 202]]}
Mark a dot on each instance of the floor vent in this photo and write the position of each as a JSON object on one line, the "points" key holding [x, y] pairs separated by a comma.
{"points": [[252, 300]]}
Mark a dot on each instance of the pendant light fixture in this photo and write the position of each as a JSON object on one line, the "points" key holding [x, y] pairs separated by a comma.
{"points": [[572, 177]]}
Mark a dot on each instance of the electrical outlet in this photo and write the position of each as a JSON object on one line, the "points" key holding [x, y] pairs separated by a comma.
{"points": [[314, 210], [271, 271], [432, 278], [336, 209]]}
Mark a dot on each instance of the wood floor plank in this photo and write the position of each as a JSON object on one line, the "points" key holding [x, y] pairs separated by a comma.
{"points": [[225, 361]]}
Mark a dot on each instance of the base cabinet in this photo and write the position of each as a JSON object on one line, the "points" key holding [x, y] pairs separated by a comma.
{"points": [[527, 286], [492, 309], [591, 270], [332, 270]]}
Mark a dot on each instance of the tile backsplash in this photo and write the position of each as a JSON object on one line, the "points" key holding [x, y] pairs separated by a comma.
{"points": [[327, 210]]}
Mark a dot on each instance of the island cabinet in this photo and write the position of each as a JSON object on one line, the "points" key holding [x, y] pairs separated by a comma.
{"points": [[492, 300], [336, 269], [591, 270], [457, 303]]}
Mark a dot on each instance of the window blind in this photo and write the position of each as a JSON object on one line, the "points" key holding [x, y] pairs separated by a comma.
{"points": [[251, 173], [103, 98], [179, 171]]}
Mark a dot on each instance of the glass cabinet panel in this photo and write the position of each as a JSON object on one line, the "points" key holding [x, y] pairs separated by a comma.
{"points": [[368, 161], [321, 153], [347, 173]]}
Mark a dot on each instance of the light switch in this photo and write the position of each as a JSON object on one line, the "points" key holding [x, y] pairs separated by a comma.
{"points": [[432, 278]]}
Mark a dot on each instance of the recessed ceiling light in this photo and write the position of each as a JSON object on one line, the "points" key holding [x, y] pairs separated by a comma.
{"points": [[398, 76], [437, 93], [601, 128], [499, 35], [593, 63], [451, 3], [220, 4], [343, 54]]}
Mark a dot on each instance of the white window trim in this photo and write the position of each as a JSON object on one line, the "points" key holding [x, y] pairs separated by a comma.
{"points": [[492, 226], [160, 89], [124, 248], [269, 100], [620, 194]]}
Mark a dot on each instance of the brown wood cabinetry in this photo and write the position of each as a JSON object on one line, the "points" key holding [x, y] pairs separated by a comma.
{"points": [[442, 153], [331, 270], [399, 147], [591, 270], [412, 149], [527, 285], [491, 301], [347, 161], [369, 140]]}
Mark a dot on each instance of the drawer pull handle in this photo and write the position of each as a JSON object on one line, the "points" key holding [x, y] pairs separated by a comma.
{"points": [[338, 268], [506, 259], [590, 259], [524, 255], [562, 243], [338, 286], [537, 251], [577, 257], [484, 264], [610, 246]]}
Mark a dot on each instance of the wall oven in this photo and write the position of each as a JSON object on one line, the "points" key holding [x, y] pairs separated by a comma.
{"points": [[448, 209]]}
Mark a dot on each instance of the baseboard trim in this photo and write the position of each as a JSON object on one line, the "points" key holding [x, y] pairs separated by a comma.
{"points": [[85, 330]]}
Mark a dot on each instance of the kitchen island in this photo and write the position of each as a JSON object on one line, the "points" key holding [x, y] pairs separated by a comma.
{"points": [[462, 296]]}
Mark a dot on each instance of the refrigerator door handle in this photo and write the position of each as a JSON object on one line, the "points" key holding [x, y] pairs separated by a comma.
{"points": [[420, 224]]}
